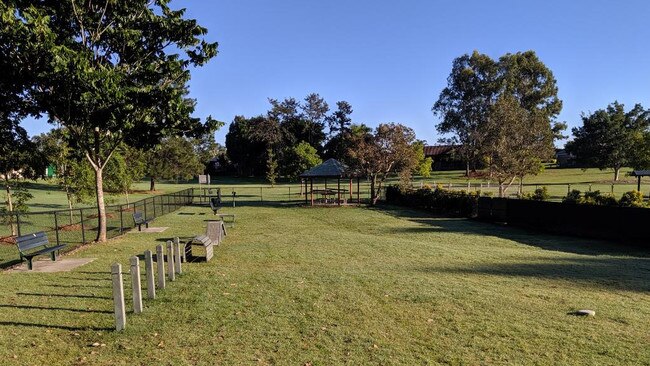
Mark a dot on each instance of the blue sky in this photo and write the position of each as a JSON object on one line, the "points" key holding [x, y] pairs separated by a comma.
{"points": [[390, 59]]}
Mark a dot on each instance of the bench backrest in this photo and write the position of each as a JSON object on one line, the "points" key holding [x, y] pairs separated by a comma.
{"points": [[32, 241], [138, 217], [215, 202]]}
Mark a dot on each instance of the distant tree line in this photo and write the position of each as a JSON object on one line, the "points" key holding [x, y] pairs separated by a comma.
{"points": [[293, 136]]}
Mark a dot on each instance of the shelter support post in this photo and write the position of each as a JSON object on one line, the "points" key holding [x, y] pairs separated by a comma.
{"points": [[338, 184]]}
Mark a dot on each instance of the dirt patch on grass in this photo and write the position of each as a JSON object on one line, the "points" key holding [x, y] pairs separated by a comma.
{"points": [[146, 191], [72, 227], [108, 216], [7, 240]]}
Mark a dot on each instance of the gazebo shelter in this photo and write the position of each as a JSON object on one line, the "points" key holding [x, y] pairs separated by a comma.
{"points": [[638, 174], [330, 169]]}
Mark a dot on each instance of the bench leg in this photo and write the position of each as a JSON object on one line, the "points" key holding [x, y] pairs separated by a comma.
{"points": [[146, 225], [29, 264], [139, 227], [53, 255]]}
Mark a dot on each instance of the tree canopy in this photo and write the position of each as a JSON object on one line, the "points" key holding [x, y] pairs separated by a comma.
{"points": [[110, 72], [611, 138]]}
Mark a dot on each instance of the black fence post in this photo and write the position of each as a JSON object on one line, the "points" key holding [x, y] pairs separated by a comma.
{"points": [[154, 206], [261, 196], [56, 228], [121, 208], [144, 203], [18, 222], [83, 229]]}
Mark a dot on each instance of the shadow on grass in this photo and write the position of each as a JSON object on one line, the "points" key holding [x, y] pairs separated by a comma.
{"points": [[34, 307], [51, 326], [628, 274], [600, 263], [79, 296], [436, 223]]}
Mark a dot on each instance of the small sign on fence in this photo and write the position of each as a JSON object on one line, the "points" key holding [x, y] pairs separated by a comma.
{"points": [[204, 179]]}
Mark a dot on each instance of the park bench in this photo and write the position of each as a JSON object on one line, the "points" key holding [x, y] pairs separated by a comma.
{"points": [[32, 245], [201, 241], [215, 204], [140, 220]]}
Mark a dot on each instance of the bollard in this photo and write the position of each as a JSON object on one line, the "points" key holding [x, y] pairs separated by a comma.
{"points": [[170, 261], [177, 257], [148, 268], [177, 241], [160, 263], [118, 296], [135, 284]]}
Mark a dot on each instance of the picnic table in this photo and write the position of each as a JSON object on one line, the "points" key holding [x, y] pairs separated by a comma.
{"points": [[326, 193]]}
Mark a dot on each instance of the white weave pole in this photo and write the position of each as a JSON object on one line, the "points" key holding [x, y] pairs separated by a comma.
{"points": [[118, 296], [136, 285]]}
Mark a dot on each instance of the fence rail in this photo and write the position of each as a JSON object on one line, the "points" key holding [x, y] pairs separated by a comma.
{"points": [[79, 226]]}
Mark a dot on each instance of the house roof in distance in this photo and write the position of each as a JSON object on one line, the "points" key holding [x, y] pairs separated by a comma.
{"points": [[436, 150], [331, 168]]}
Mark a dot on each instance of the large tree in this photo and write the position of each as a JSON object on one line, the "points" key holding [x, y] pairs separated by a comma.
{"points": [[111, 72], [464, 104], [388, 150], [516, 141], [174, 159], [608, 138], [475, 84]]}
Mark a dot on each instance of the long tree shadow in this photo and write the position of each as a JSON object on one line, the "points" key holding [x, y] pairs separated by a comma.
{"points": [[52, 326], [80, 296], [598, 263], [436, 223], [55, 308], [628, 274]]}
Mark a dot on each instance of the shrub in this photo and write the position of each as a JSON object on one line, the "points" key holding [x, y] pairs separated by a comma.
{"points": [[632, 199], [438, 200], [540, 194], [598, 199], [573, 197]]}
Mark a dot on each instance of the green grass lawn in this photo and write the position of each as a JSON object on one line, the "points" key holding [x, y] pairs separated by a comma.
{"points": [[47, 196], [328, 286]]}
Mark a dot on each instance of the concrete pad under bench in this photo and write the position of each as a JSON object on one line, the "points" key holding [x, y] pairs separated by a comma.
{"points": [[48, 266], [150, 230]]}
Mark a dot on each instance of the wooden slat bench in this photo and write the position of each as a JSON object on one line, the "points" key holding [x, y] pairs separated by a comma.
{"points": [[32, 245], [140, 220], [202, 241]]}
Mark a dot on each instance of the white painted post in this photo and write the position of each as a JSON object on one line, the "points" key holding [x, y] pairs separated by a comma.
{"points": [[160, 263], [118, 296], [170, 261], [148, 268], [177, 258], [135, 284], [177, 241]]}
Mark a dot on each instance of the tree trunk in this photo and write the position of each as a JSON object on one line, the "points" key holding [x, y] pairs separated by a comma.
{"points": [[101, 208], [372, 190], [10, 206], [467, 169], [69, 197], [152, 184], [502, 190], [127, 196], [617, 171], [521, 187]]}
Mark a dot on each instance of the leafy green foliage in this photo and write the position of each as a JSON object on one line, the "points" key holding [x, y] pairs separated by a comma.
{"points": [[175, 158], [611, 138], [302, 157], [632, 199], [110, 73], [573, 197], [271, 167], [540, 194], [438, 200]]}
